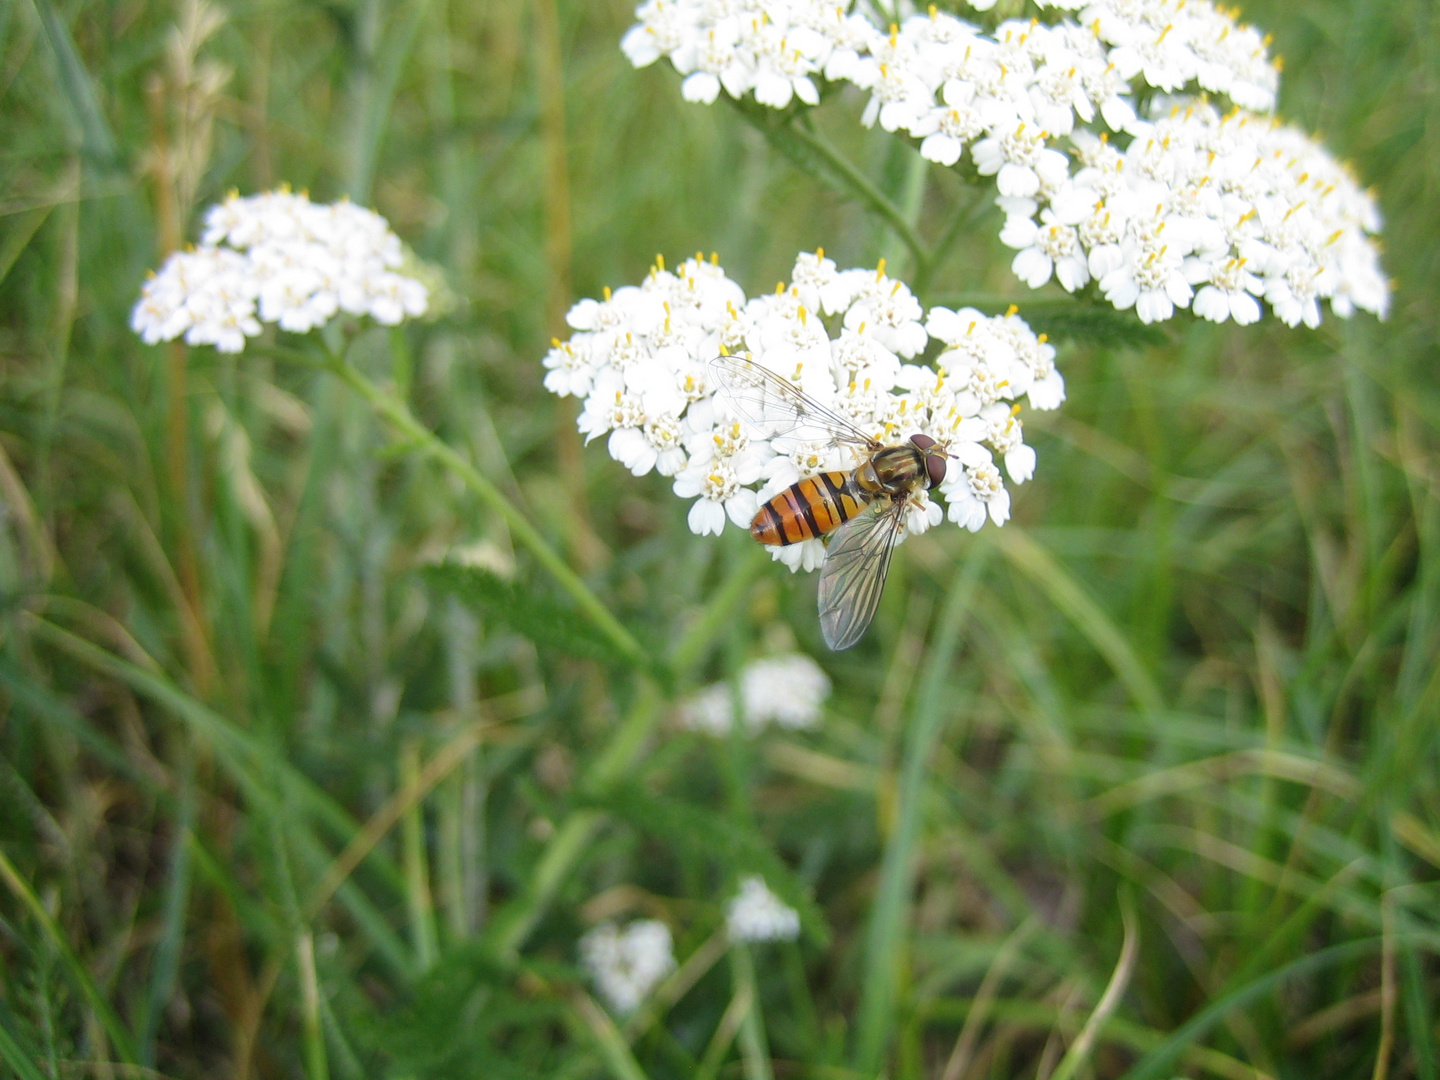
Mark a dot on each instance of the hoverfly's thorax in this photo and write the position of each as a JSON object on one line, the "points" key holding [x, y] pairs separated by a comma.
{"points": [[899, 469]]}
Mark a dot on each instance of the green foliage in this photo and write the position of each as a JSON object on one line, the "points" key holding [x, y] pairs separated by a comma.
{"points": [[525, 609], [705, 836], [280, 796], [1092, 321]]}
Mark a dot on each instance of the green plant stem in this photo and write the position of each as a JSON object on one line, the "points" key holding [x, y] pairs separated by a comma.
{"points": [[165, 963], [612, 1046], [574, 833], [754, 1051], [418, 899], [963, 219], [862, 189], [718, 612], [317, 1066], [572, 837], [403, 420]]}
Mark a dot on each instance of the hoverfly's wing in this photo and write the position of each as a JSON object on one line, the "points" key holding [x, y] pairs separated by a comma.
{"points": [[778, 410], [853, 577]]}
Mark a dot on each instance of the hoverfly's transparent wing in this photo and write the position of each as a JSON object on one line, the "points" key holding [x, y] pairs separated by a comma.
{"points": [[776, 409], [853, 577]]}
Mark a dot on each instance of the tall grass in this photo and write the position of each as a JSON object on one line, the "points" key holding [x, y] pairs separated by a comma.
{"points": [[1144, 784]]}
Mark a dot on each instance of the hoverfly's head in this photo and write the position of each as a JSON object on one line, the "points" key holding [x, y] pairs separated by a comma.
{"points": [[935, 456]]}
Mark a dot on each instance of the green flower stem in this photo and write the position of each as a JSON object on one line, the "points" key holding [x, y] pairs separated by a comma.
{"points": [[962, 221], [608, 1039], [754, 1048], [317, 1066], [573, 836], [403, 420], [715, 617], [866, 192]]}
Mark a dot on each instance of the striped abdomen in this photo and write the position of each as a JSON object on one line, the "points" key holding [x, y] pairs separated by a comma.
{"points": [[810, 508]]}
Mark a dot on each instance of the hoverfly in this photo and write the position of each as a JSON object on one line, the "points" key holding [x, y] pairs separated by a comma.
{"points": [[861, 512]]}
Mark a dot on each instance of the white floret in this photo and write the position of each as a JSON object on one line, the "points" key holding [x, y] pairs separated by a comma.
{"points": [[757, 914]]}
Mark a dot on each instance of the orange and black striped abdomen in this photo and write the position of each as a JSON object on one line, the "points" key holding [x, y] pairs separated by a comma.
{"points": [[810, 508]]}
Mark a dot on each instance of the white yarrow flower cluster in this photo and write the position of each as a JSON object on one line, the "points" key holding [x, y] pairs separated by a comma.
{"points": [[1198, 210], [951, 85], [757, 914], [777, 50], [1210, 212], [787, 691], [278, 258], [627, 964], [1171, 43], [946, 81], [640, 359]]}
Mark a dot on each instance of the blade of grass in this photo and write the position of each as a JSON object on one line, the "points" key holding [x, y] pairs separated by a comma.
{"points": [[975, 1016], [611, 1043], [317, 1065], [572, 837], [418, 900], [246, 760], [120, 1037], [1079, 1051], [17, 1058], [347, 1062], [725, 1032], [1042, 1017], [165, 966], [1419, 1014], [1387, 990], [78, 88], [21, 233], [754, 1051], [236, 747], [1070, 597], [512, 925], [377, 79], [718, 613], [1158, 1061], [439, 766], [1178, 779], [885, 947], [365, 839]]}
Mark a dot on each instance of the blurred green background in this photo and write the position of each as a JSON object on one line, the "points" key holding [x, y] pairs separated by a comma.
{"points": [[275, 801]]}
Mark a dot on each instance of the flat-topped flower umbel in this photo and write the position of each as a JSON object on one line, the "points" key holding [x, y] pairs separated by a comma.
{"points": [[1181, 203], [640, 359], [278, 258]]}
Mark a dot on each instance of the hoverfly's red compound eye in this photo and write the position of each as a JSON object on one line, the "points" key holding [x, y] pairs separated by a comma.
{"points": [[934, 458]]}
